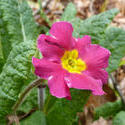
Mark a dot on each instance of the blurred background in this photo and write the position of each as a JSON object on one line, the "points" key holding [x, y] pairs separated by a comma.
{"points": [[85, 8]]}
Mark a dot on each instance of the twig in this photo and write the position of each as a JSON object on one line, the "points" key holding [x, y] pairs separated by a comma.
{"points": [[25, 92], [27, 114], [13, 119], [115, 84]]}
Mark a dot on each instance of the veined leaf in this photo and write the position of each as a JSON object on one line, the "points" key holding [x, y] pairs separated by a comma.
{"points": [[37, 118], [16, 71], [4, 37], [69, 13], [119, 119], [115, 42], [1, 57], [30, 102], [1, 53], [95, 26], [108, 109], [5, 45], [64, 112], [21, 25]]}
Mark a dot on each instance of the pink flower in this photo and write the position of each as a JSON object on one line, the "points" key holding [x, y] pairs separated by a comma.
{"points": [[70, 62]]}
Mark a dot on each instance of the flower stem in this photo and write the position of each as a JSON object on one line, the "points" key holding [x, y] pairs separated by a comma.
{"points": [[41, 90], [34, 84]]}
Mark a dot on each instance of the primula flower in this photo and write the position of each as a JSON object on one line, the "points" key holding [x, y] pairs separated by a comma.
{"points": [[70, 62]]}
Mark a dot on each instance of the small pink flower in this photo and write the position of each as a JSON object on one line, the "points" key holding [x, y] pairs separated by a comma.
{"points": [[70, 62]]}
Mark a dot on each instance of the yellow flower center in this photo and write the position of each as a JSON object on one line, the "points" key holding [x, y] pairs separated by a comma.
{"points": [[72, 63]]}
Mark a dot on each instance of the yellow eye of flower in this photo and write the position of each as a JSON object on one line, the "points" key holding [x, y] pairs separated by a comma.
{"points": [[72, 63]]}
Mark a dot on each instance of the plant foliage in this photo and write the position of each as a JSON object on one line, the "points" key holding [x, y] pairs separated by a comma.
{"points": [[18, 33]]}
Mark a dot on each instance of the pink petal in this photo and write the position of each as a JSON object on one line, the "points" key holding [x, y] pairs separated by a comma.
{"points": [[82, 42], [86, 82], [45, 68], [95, 56], [62, 32], [98, 74], [58, 86], [55, 76], [49, 51]]}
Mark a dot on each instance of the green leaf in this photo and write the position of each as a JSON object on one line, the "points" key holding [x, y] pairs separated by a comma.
{"points": [[64, 112], [14, 75], [119, 119], [37, 118], [108, 109], [16, 72], [69, 13], [122, 63], [5, 45], [49, 103], [70, 16], [1, 53], [95, 26], [1, 57], [30, 102], [115, 42], [20, 22]]}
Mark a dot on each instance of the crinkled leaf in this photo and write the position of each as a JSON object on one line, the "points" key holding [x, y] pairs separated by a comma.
{"points": [[69, 13], [95, 26], [119, 119], [1, 53], [30, 102], [5, 45], [64, 112], [20, 22], [37, 118], [1, 57], [14, 74], [108, 109], [115, 42]]}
